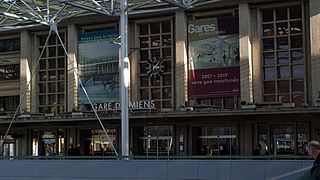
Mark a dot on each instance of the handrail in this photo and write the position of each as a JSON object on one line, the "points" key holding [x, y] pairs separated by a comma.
{"points": [[270, 157]]}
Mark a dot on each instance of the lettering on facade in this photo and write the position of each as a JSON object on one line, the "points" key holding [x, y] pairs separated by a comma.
{"points": [[136, 105]]}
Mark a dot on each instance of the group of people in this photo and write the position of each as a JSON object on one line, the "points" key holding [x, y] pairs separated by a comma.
{"points": [[75, 151]]}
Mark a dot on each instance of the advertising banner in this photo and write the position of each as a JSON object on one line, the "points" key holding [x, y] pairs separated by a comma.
{"points": [[98, 66], [214, 57]]}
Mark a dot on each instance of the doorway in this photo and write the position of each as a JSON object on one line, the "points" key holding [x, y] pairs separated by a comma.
{"points": [[217, 145]]}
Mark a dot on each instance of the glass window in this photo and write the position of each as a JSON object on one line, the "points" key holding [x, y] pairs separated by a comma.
{"points": [[10, 45], [52, 74], [9, 103], [9, 72], [156, 63], [287, 69]]}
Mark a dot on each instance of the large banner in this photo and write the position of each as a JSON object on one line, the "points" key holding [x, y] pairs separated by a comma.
{"points": [[98, 66], [214, 57]]}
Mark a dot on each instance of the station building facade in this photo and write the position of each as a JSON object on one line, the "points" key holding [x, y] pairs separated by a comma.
{"points": [[216, 79]]}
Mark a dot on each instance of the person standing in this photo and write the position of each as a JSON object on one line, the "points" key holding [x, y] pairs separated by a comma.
{"points": [[314, 152]]}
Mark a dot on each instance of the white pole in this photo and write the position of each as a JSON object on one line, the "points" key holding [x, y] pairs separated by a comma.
{"points": [[125, 76]]}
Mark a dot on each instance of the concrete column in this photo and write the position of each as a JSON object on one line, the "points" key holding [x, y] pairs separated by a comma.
{"points": [[72, 81], [134, 62], [181, 63], [245, 53], [315, 50], [256, 57], [25, 71]]}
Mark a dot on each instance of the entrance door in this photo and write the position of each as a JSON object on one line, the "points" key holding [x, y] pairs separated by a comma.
{"points": [[9, 149], [157, 146], [217, 145]]}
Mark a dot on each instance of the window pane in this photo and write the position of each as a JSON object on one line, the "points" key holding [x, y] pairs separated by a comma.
{"points": [[42, 64], [144, 67], [52, 100], [167, 66], [269, 73], [60, 86], [144, 42], [60, 99], [144, 55], [52, 87], [52, 63], [284, 98], [295, 12], [283, 72], [268, 58], [155, 93], [42, 88], [167, 94], [43, 76], [296, 41], [296, 27], [60, 51], [166, 53], [44, 53], [9, 45], [298, 71], [61, 62], [52, 40], [155, 53], [52, 76], [155, 41], [281, 14], [298, 99], [155, 81], [267, 30], [166, 79], [268, 44], [166, 104], [166, 27], [282, 29], [297, 56], [297, 86], [42, 40], [42, 100], [144, 29], [267, 15], [283, 87], [269, 87], [283, 57], [144, 81], [270, 98], [52, 51], [144, 94], [282, 43], [155, 28], [61, 75], [166, 40]]}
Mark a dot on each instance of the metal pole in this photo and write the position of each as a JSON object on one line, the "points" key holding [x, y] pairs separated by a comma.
{"points": [[125, 76]]}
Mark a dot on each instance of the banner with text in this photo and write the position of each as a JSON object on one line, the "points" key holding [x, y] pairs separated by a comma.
{"points": [[98, 66], [214, 57]]}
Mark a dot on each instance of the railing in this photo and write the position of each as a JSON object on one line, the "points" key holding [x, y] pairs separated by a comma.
{"points": [[155, 157]]}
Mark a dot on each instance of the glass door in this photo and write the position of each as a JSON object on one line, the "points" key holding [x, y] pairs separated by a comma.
{"points": [[216, 141], [218, 145], [157, 146], [157, 141]]}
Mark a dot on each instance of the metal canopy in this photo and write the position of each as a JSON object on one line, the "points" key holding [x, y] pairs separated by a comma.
{"points": [[25, 13]]}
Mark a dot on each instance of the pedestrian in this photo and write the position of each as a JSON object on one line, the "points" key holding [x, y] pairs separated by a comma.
{"points": [[257, 151], [314, 152], [71, 151]]}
